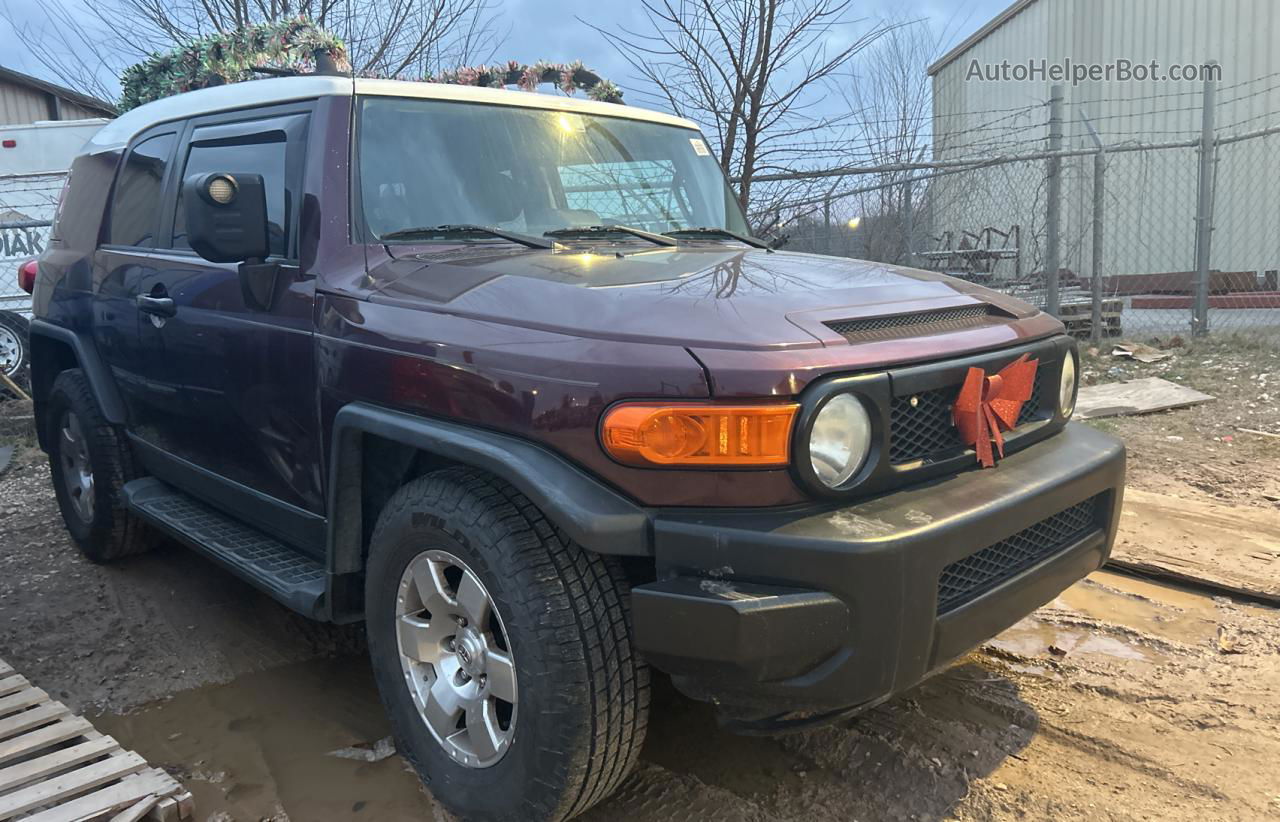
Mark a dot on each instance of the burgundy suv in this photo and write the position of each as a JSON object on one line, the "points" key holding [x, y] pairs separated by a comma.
{"points": [[504, 376]]}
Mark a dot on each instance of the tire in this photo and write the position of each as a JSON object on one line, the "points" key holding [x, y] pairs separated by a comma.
{"points": [[15, 347], [90, 461], [581, 695]]}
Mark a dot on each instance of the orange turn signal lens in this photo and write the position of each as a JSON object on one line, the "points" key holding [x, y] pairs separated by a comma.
{"points": [[649, 434]]}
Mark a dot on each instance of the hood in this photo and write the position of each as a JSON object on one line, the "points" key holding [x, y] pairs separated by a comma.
{"points": [[708, 296]]}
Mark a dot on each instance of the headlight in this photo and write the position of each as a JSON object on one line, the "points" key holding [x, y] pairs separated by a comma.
{"points": [[839, 440], [1067, 386]]}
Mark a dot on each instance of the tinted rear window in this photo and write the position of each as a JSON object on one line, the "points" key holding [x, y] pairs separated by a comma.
{"points": [[135, 206]]}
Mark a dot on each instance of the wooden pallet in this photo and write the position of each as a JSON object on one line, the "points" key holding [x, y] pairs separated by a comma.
{"points": [[1110, 308], [1077, 316], [1086, 331], [54, 767]]}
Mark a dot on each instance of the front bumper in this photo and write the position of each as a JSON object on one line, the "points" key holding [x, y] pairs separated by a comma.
{"points": [[815, 610]]}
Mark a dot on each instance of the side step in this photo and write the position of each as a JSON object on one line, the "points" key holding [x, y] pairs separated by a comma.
{"points": [[287, 575]]}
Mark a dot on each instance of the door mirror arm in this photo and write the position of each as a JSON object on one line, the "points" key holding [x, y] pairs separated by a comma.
{"points": [[259, 280]]}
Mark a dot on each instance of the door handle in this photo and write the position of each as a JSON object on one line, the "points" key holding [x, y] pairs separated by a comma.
{"points": [[159, 306]]}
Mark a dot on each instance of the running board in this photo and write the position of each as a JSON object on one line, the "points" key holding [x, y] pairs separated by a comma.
{"points": [[282, 572]]}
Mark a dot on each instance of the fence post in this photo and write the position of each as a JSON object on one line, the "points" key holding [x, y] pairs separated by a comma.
{"points": [[826, 224], [1099, 207], [908, 220], [1017, 260], [1053, 206], [1204, 211], [1095, 279]]}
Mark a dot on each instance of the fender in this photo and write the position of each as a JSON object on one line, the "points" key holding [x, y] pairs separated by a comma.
{"points": [[593, 515], [86, 353]]}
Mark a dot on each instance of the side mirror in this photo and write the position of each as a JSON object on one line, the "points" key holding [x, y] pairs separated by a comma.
{"points": [[226, 216], [227, 223]]}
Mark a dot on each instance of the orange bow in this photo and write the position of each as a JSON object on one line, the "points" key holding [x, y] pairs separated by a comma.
{"points": [[988, 404]]}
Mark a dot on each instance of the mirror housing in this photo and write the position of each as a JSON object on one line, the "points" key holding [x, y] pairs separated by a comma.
{"points": [[227, 217]]}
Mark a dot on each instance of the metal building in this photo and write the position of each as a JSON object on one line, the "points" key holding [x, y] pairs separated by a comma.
{"points": [[25, 99], [989, 99]]}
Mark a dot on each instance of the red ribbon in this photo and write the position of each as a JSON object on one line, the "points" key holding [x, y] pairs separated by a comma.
{"points": [[989, 403]]}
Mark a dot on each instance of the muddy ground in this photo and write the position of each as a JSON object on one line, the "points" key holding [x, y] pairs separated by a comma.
{"points": [[1209, 451], [1123, 699]]}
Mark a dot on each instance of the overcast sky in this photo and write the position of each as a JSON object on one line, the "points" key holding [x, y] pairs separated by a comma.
{"points": [[552, 31]]}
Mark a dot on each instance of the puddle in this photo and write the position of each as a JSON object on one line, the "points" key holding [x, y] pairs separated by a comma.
{"points": [[1033, 637], [1163, 611], [1169, 613], [259, 745]]}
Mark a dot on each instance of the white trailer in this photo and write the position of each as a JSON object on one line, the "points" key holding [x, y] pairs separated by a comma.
{"points": [[34, 160]]}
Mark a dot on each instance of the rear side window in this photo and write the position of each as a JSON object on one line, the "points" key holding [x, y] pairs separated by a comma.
{"points": [[135, 206]]}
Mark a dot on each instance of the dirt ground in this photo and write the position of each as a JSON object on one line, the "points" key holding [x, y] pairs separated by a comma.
{"points": [[1201, 452], [1122, 699]]}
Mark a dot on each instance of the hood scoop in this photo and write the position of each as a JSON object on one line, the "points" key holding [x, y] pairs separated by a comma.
{"points": [[919, 323]]}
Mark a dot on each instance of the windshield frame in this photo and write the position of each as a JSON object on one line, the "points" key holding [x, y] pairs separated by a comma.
{"points": [[362, 234]]}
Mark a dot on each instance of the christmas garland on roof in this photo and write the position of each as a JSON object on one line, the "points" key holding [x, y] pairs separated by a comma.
{"points": [[568, 77], [290, 46], [295, 46]]}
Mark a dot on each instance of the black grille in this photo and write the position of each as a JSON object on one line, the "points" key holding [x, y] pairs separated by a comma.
{"points": [[968, 578], [918, 324], [925, 430]]}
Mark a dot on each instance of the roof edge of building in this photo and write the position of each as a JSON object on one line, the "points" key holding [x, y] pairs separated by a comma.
{"points": [[973, 39], [70, 95]]}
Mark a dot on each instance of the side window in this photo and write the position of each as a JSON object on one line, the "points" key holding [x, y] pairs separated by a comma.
{"points": [[135, 205], [272, 148]]}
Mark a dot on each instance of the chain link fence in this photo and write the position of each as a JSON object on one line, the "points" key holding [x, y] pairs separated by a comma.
{"points": [[1145, 240], [27, 203]]}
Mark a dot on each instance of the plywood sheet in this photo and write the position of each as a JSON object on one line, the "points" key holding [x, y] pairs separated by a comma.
{"points": [[1115, 399], [1235, 550]]}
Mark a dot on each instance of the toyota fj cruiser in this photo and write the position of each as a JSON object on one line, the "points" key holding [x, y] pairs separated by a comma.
{"points": [[504, 376]]}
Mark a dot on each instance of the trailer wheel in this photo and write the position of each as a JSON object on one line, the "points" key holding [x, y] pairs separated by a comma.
{"points": [[15, 347]]}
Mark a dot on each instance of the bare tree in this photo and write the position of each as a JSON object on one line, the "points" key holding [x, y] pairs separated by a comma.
{"points": [[889, 93], [86, 45], [755, 74]]}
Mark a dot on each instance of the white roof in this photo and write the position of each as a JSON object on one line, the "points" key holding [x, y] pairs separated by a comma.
{"points": [[117, 133]]}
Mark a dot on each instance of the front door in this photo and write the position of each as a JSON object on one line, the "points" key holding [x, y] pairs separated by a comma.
{"points": [[245, 378]]}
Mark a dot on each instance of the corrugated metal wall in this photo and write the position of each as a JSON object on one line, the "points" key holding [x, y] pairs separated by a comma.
{"points": [[23, 104], [1150, 195]]}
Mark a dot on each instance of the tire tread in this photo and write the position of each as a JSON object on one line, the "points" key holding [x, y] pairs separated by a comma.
{"points": [[113, 464], [586, 612]]}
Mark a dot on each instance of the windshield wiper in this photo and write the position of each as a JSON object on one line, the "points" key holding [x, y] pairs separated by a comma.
{"points": [[754, 242], [588, 230], [461, 229]]}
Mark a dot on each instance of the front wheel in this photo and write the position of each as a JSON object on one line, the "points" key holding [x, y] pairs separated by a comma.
{"points": [[502, 651]]}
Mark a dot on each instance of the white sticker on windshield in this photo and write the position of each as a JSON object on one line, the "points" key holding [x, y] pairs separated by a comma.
{"points": [[699, 147]]}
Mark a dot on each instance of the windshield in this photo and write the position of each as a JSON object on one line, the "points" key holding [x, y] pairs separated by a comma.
{"points": [[426, 163]]}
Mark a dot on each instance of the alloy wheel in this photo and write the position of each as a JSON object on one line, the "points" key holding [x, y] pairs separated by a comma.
{"points": [[77, 468], [456, 657]]}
